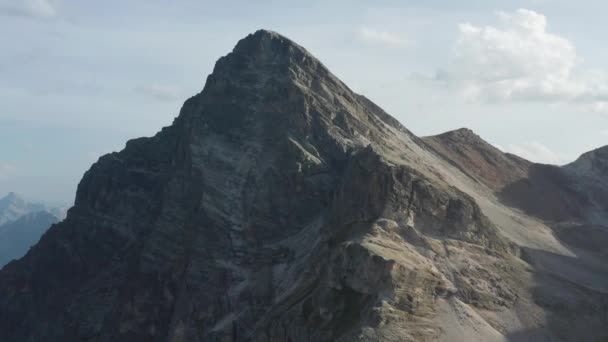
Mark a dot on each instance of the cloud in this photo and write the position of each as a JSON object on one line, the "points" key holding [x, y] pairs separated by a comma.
{"points": [[382, 37], [28, 8], [604, 132], [519, 59], [537, 152], [161, 92], [7, 171]]}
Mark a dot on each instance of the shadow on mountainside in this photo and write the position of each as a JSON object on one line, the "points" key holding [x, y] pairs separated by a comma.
{"points": [[573, 291], [546, 193], [592, 238]]}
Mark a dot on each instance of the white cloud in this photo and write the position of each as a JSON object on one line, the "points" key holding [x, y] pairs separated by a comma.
{"points": [[537, 152], [520, 60], [604, 132], [28, 8], [162, 92], [382, 37]]}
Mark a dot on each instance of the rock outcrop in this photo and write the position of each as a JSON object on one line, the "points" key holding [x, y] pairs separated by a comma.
{"points": [[282, 206]]}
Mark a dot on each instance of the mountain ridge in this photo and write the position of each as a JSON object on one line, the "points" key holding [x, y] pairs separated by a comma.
{"points": [[282, 206]]}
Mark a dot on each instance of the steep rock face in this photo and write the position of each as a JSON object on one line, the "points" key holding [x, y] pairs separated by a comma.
{"points": [[279, 206]]}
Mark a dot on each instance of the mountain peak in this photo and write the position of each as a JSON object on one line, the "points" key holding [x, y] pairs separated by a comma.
{"points": [[593, 163], [13, 206], [11, 196], [264, 50], [261, 37], [266, 41], [598, 153], [477, 158], [269, 87], [461, 134], [11, 199]]}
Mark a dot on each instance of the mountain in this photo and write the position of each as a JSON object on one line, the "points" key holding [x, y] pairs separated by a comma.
{"points": [[548, 192], [478, 159], [590, 176], [18, 236], [22, 223], [558, 218], [282, 206], [594, 164], [12, 207]]}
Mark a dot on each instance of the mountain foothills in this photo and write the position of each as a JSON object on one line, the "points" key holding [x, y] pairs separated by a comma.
{"points": [[282, 206], [22, 223]]}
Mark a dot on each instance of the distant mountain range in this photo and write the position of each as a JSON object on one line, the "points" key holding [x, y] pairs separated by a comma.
{"points": [[22, 223], [13, 206]]}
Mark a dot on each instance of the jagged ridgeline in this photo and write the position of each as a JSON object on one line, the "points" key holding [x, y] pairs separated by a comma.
{"points": [[282, 206]]}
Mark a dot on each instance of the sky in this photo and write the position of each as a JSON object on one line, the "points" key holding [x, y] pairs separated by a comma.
{"points": [[78, 78]]}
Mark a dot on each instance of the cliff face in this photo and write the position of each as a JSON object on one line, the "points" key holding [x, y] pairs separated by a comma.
{"points": [[279, 206]]}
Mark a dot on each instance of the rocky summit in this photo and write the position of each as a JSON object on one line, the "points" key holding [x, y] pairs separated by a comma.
{"points": [[282, 206]]}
